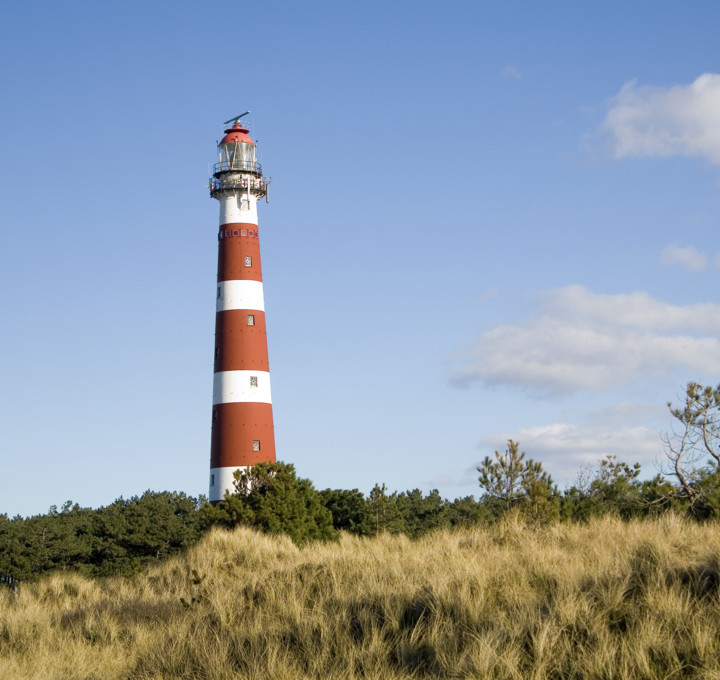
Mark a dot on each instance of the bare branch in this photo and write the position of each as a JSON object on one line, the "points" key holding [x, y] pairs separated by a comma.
{"points": [[693, 451]]}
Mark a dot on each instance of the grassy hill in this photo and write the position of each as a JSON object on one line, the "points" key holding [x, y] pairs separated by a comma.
{"points": [[601, 600]]}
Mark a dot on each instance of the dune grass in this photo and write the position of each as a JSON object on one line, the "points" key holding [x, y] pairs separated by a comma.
{"points": [[604, 600]]}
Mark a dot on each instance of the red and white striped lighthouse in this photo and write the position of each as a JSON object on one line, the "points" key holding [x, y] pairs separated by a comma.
{"points": [[242, 420]]}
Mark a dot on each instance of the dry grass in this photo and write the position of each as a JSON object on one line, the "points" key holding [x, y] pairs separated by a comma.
{"points": [[605, 600]]}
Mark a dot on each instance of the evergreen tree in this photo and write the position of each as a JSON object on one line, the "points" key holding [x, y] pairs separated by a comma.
{"points": [[118, 539], [273, 499], [384, 511], [611, 487], [349, 510], [509, 481], [466, 512], [421, 514]]}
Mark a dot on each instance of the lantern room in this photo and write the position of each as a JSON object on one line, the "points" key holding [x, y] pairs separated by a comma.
{"points": [[237, 152]]}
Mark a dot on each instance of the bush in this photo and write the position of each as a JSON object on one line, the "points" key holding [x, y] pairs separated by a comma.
{"points": [[272, 498]]}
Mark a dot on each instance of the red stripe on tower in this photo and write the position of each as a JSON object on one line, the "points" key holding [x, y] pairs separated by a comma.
{"points": [[242, 420]]}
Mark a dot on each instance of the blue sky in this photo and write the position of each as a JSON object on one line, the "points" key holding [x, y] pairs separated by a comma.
{"points": [[486, 221]]}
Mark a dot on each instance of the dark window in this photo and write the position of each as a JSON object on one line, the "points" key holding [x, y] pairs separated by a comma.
{"points": [[243, 232], [235, 233]]}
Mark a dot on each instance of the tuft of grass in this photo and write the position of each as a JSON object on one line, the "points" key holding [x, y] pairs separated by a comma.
{"points": [[608, 599]]}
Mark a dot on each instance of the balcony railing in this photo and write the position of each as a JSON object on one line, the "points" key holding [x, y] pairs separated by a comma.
{"points": [[237, 165], [256, 186]]}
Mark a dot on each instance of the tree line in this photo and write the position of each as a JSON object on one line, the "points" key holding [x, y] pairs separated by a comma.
{"points": [[127, 535], [121, 538]]}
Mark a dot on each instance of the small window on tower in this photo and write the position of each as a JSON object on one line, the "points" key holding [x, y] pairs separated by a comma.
{"points": [[235, 233], [212, 480], [218, 297], [252, 233], [217, 352], [227, 233], [243, 232], [248, 260], [253, 381], [256, 444], [215, 415], [251, 319]]}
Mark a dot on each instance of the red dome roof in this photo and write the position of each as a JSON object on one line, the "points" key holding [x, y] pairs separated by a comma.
{"points": [[237, 133]]}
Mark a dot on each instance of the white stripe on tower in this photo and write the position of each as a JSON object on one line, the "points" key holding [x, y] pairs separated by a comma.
{"points": [[236, 208], [235, 294], [222, 478], [233, 387]]}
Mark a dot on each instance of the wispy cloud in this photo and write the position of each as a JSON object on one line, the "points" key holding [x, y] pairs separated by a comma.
{"points": [[625, 430], [580, 340], [688, 257], [509, 72], [684, 120]]}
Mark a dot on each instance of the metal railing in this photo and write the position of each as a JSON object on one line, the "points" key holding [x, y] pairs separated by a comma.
{"points": [[237, 165], [257, 187]]}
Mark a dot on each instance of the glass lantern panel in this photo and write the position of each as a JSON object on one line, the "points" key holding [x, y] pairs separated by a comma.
{"points": [[247, 153], [226, 153], [237, 155]]}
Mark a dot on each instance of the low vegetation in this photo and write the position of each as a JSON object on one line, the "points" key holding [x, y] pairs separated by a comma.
{"points": [[603, 599]]}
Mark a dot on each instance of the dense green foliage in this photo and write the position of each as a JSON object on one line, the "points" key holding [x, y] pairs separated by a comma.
{"points": [[126, 536], [120, 538], [272, 498]]}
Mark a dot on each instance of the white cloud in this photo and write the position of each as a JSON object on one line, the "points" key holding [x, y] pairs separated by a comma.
{"points": [[688, 257], [579, 340], [653, 121], [638, 311], [628, 431]]}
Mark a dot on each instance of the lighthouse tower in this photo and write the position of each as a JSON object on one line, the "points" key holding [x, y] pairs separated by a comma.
{"points": [[242, 421]]}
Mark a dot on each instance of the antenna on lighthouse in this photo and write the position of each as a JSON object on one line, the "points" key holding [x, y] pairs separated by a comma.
{"points": [[236, 119]]}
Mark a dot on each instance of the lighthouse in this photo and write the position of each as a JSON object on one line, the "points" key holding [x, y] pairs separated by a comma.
{"points": [[242, 420]]}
